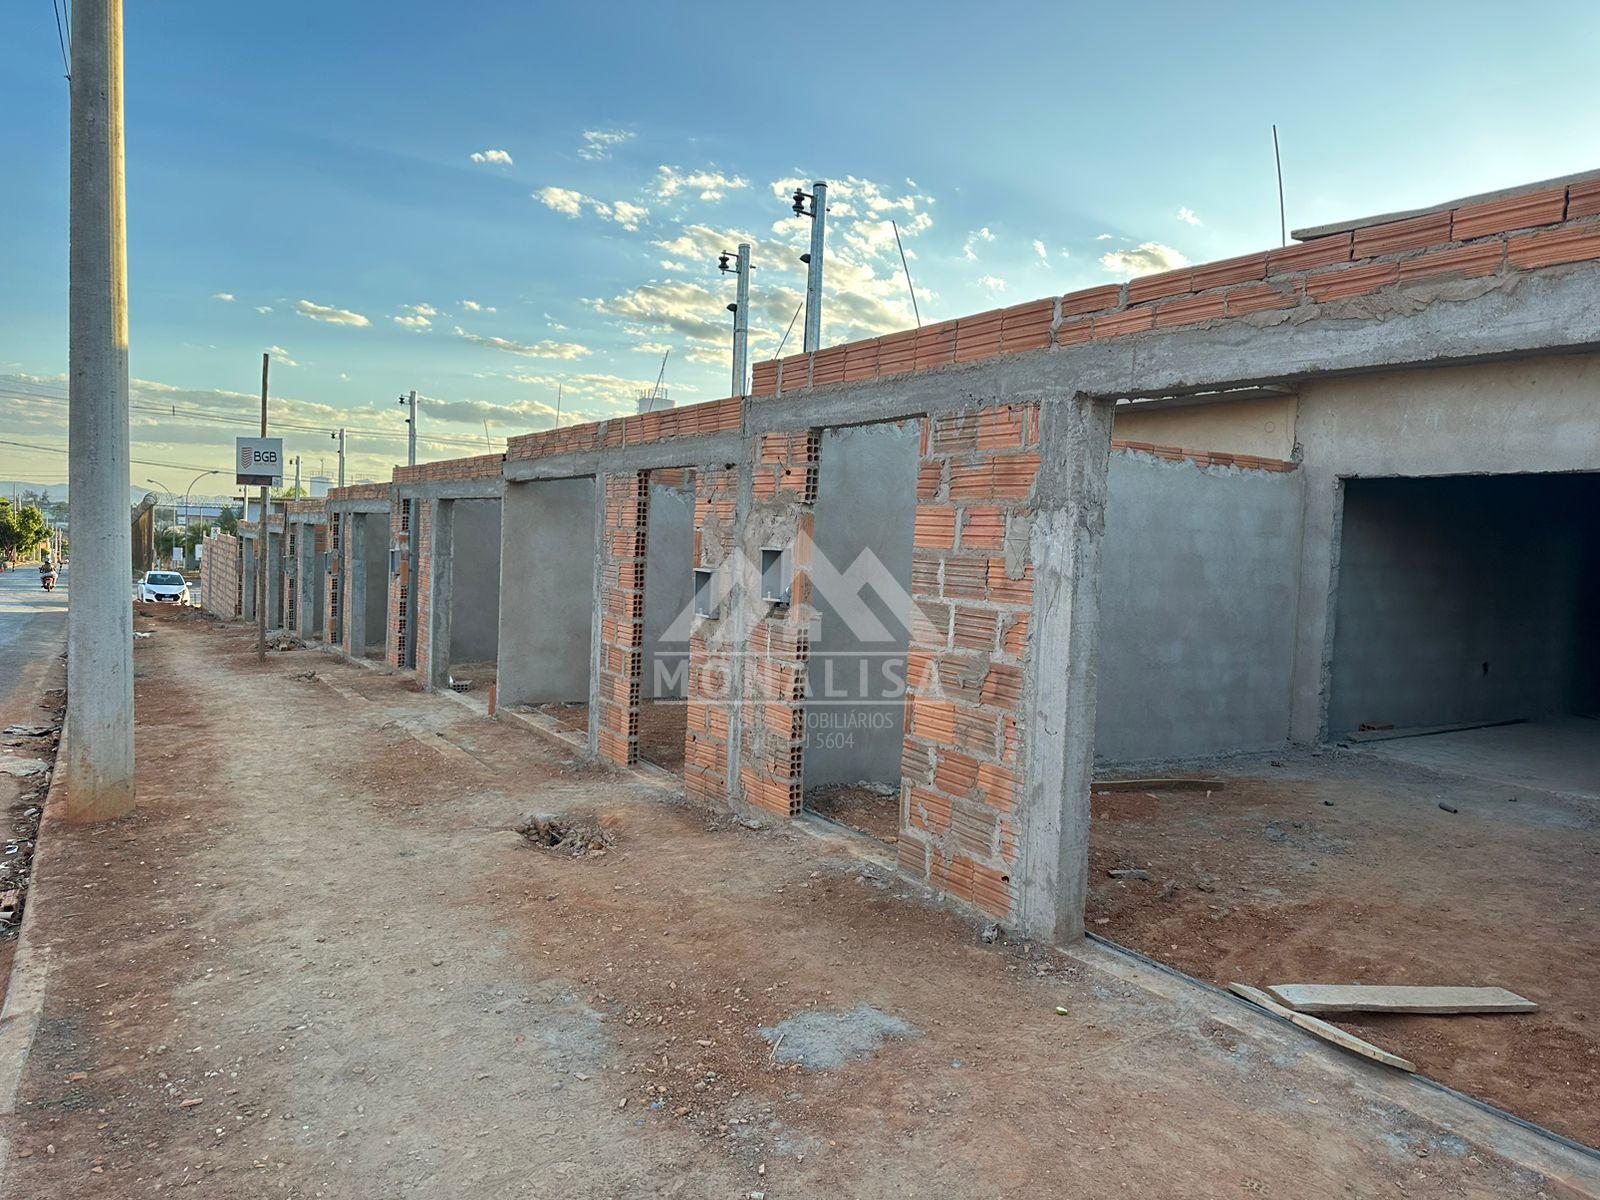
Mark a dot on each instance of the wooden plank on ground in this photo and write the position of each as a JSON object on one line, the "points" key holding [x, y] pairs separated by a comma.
{"points": [[1158, 785], [1329, 1033], [1378, 998]]}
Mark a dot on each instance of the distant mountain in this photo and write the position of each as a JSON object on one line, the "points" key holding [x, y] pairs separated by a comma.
{"points": [[58, 491]]}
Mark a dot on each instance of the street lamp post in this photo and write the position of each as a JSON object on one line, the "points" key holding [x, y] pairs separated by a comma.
{"points": [[186, 492], [167, 491]]}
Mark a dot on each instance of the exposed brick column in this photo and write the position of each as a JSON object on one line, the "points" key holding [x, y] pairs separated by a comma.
{"points": [[772, 702], [332, 608], [972, 587], [710, 693], [622, 551], [398, 611]]}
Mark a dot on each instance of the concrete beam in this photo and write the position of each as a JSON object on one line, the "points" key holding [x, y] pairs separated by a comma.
{"points": [[1453, 322], [675, 452], [454, 489], [1052, 874]]}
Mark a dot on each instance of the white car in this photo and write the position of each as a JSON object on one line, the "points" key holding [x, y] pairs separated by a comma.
{"points": [[166, 586]]}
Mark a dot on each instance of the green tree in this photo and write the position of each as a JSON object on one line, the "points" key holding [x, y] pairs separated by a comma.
{"points": [[22, 531], [228, 522]]}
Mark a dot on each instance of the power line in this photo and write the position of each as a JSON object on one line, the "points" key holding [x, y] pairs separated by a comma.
{"points": [[61, 39], [201, 414], [143, 462]]}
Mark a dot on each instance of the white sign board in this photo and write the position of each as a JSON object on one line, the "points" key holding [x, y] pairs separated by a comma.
{"points": [[258, 461]]}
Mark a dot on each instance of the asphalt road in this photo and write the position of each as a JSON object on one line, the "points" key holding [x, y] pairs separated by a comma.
{"points": [[33, 631]]}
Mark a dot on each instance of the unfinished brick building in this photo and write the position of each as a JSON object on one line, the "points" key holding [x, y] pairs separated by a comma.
{"points": [[1216, 509]]}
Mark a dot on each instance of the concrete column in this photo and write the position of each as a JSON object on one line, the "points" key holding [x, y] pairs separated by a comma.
{"points": [[97, 751], [441, 589], [1059, 684], [355, 584]]}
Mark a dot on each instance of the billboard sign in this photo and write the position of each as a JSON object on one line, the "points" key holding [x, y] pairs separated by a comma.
{"points": [[258, 461]]}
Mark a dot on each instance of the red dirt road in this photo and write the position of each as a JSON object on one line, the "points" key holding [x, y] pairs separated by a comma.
{"points": [[317, 963]]}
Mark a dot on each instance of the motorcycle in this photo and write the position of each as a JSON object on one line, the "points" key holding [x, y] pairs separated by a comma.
{"points": [[47, 580]]}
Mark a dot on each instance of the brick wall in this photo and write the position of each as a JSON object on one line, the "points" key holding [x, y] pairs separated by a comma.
{"points": [[452, 470], [1493, 238], [622, 565], [772, 708], [221, 576], [972, 588], [705, 764]]}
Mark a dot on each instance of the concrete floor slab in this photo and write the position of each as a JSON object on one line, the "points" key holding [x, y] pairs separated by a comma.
{"points": [[1557, 754]]}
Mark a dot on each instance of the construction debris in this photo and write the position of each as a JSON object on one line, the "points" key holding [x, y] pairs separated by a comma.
{"points": [[1382, 998], [571, 836]]}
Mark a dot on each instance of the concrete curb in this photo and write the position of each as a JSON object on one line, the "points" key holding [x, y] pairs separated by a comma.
{"points": [[30, 971]]}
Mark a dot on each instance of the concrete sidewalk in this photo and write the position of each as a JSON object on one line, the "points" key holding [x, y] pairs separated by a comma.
{"points": [[317, 963]]}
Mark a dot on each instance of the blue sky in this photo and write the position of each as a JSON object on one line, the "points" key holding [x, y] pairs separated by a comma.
{"points": [[314, 162]]}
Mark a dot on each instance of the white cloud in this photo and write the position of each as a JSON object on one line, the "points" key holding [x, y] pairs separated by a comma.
{"points": [[280, 355], [474, 306], [415, 322], [709, 184], [1040, 250], [562, 200], [225, 297], [1186, 215], [992, 282], [571, 204], [1102, 237], [969, 249], [423, 310], [497, 157], [623, 213], [544, 349], [599, 143], [263, 308], [329, 314], [1146, 259], [866, 288]]}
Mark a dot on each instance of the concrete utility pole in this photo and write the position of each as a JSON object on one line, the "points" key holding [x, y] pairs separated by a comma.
{"points": [[740, 308], [813, 261], [295, 495], [411, 428], [340, 437], [262, 534], [97, 747]]}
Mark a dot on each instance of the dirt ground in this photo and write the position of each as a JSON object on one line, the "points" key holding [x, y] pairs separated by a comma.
{"points": [[662, 727], [864, 808], [569, 716], [1340, 867], [319, 962]]}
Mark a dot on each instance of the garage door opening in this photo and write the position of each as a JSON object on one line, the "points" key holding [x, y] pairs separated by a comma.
{"points": [[1464, 628]]}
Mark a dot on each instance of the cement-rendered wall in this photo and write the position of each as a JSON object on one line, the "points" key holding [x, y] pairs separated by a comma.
{"points": [[547, 589], [668, 591], [274, 580], [861, 581], [474, 581], [1465, 599], [247, 569], [1197, 591], [1533, 414], [373, 548]]}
